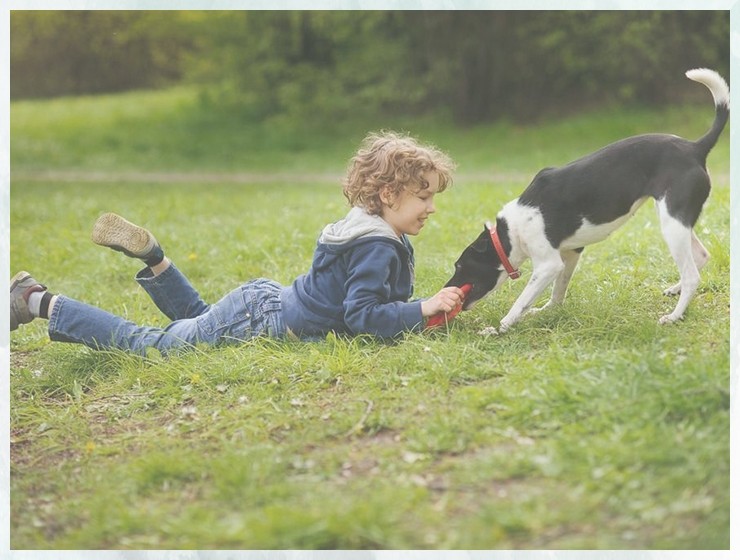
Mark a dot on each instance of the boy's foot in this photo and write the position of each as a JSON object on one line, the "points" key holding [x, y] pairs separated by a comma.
{"points": [[22, 285], [111, 230]]}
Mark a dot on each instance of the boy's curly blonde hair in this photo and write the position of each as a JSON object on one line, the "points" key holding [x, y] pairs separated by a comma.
{"points": [[392, 159]]}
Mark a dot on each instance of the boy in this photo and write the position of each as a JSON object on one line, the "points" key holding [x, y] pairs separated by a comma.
{"points": [[360, 281]]}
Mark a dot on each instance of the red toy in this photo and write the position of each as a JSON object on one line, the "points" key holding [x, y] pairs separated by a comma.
{"points": [[443, 318]]}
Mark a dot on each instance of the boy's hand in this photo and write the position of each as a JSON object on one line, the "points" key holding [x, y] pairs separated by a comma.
{"points": [[445, 305], [443, 301]]}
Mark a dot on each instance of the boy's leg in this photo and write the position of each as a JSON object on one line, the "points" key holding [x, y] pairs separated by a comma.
{"points": [[172, 293], [166, 285], [251, 310], [73, 321], [246, 312]]}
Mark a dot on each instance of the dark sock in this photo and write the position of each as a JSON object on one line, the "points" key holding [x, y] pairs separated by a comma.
{"points": [[44, 308], [155, 258], [38, 299]]}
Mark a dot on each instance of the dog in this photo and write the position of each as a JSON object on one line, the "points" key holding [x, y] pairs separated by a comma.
{"points": [[566, 208]]}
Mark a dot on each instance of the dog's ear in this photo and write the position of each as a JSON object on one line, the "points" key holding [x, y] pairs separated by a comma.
{"points": [[481, 244]]}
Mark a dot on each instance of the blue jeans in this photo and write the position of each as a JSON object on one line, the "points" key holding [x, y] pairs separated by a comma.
{"points": [[251, 310]]}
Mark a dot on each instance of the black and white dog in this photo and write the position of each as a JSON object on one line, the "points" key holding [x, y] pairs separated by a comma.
{"points": [[565, 208]]}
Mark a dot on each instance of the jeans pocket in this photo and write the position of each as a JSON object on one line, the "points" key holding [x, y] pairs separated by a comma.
{"points": [[251, 310], [229, 319], [270, 312], [270, 306]]}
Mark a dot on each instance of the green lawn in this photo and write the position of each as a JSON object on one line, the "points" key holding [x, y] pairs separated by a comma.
{"points": [[587, 426]]}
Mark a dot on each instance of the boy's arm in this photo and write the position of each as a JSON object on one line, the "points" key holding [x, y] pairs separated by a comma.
{"points": [[368, 308]]}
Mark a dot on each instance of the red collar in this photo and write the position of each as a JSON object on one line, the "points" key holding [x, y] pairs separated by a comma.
{"points": [[510, 270]]}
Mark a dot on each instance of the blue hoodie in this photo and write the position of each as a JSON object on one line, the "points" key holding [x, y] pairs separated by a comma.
{"points": [[360, 281]]}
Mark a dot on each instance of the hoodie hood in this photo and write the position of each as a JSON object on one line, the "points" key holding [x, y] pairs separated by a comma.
{"points": [[355, 225]]}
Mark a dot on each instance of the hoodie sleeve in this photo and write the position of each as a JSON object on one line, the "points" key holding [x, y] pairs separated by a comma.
{"points": [[375, 282]]}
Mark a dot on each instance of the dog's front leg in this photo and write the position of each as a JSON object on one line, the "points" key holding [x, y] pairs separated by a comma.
{"points": [[543, 274], [570, 260]]}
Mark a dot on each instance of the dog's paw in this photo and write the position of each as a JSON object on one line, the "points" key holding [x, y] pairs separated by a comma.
{"points": [[488, 331], [668, 319], [505, 324], [673, 290]]}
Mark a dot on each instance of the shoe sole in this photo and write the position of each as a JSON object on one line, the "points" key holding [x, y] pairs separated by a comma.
{"points": [[110, 230]]}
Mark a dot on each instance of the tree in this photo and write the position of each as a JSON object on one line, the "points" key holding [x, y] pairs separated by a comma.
{"points": [[476, 65]]}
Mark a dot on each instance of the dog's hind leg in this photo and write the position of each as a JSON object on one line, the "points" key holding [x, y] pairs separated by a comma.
{"points": [[679, 238], [701, 257]]}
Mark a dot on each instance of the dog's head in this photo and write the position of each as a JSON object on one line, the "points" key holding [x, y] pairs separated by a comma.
{"points": [[480, 265]]}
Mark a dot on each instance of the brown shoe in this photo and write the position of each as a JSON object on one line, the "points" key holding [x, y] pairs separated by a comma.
{"points": [[22, 285]]}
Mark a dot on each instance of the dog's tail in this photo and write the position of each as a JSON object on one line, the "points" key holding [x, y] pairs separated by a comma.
{"points": [[721, 94]]}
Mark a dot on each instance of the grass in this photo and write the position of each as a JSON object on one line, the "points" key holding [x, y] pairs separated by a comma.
{"points": [[588, 426], [170, 130]]}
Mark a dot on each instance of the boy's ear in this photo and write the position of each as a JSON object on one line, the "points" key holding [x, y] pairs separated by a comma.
{"points": [[386, 195]]}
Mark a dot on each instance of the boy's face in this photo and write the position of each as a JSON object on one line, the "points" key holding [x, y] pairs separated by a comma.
{"points": [[409, 211]]}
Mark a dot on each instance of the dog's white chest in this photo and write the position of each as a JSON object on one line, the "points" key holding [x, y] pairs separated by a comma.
{"points": [[590, 233]]}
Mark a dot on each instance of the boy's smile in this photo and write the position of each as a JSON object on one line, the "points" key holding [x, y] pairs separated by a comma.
{"points": [[408, 213]]}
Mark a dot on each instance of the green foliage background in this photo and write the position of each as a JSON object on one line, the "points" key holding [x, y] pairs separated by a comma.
{"points": [[476, 65]]}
